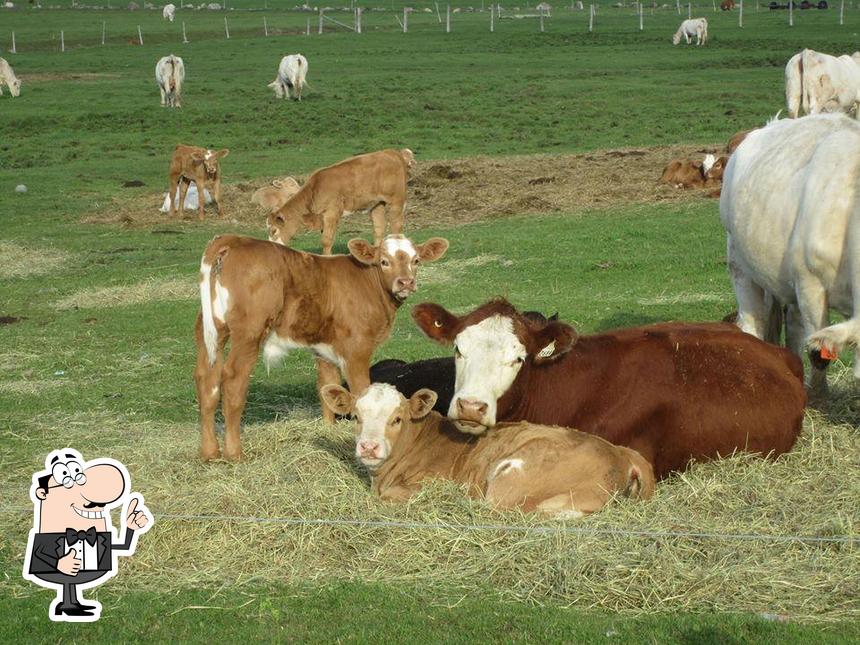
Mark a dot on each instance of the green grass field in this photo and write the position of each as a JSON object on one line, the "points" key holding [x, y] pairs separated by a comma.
{"points": [[101, 293]]}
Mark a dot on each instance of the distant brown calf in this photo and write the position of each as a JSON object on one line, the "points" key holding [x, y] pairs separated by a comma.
{"points": [[259, 294], [375, 181], [736, 140], [727, 5], [552, 470], [190, 163]]}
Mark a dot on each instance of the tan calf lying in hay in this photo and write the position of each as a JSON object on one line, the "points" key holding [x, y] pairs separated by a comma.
{"points": [[273, 197], [552, 470]]}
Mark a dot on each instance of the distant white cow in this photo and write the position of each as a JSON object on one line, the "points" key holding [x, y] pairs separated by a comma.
{"points": [[792, 213], [169, 12], [169, 74], [8, 78], [291, 77], [697, 27], [816, 83]]}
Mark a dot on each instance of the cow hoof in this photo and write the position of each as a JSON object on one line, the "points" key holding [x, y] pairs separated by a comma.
{"points": [[234, 457], [210, 455]]}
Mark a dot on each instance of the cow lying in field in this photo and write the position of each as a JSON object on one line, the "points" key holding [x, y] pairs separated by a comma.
{"points": [[202, 166], [436, 374], [792, 216], [694, 27], [170, 74], [686, 173], [816, 83], [8, 78], [290, 80], [273, 197], [259, 294], [673, 392], [736, 140], [374, 181], [556, 471]]}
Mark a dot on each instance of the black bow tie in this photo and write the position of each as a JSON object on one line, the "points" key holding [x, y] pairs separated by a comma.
{"points": [[73, 536]]}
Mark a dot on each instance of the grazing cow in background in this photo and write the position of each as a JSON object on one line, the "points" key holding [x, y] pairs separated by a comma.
{"points": [[436, 374], [673, 392], [792, 214], [259, 294], [816, 83], [736, 140], [697, 27], [374, 181], [291, 77], [8, 78], [273, 197], [200, 165], [686, 173], [170, 74], [556, 471], [727, 5], [169, 12]]}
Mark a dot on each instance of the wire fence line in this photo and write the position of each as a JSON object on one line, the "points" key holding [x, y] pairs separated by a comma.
{"points": [[511, 528]]}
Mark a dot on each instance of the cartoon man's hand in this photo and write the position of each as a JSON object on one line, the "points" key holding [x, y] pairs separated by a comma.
{"points": [[136, 519], [69, 564]]}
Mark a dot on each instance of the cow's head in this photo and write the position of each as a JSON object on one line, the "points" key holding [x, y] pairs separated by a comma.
{"points": [[15, 87], [209, 159], [397, 260], [493, 346], [676, 38], [381, 413]]}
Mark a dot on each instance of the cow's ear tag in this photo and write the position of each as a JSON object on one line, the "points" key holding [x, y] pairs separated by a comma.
{"points": [[547, 351], [827, 355]]}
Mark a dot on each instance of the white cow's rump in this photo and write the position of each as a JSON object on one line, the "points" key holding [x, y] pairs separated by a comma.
{"points": [[694, 27], [816, 83], [169, 74], [169, 12], [791, 207], [8, 78], [291, 77]]}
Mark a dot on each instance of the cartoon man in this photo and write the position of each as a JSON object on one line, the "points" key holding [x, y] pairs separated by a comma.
{"points": [[72, 543]]}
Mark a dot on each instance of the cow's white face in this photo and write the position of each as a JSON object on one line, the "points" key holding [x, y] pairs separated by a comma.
{"points": [[488, 356], [15, 87], [398, 259], [379, 414]]}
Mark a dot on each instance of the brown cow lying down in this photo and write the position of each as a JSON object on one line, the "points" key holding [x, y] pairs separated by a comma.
{"points": [[557, 471], [260, 294], [686, 173], [736, 140], [374, 181], [673, 392]]}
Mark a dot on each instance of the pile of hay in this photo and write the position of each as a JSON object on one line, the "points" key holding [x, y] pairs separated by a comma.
{"points": [[299, 468], [19, 261], [454, 192]]}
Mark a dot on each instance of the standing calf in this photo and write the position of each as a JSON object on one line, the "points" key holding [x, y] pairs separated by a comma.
{"points": [[190, 163], [552, 470], [260, 294], [375, 181], [169, 74]]}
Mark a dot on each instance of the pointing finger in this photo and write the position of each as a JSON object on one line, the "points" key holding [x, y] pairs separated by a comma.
{"points": [[132, 506]]}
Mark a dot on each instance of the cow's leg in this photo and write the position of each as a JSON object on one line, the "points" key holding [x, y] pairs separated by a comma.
{"points": [[298, 87], [793, 330], [813, 306], [174, 181], [207, 377], [163, 96], [201, 202], [357, 372], [329, 228], [575, 503], [234, 385], [327, 374], [216, 189], [377, 214], [396, 211], [183, 193]]}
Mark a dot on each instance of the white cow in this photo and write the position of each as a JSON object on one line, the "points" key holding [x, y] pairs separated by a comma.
{"points": [[697, 27], [816, 82], [8, 78], [791, 207], [169, 12], [169, 74], [291, 77]]}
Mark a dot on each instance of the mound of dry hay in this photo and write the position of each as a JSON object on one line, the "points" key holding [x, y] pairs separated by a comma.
{"points": [[132, 294], [17, 261], [453, 192], [300, 468]]}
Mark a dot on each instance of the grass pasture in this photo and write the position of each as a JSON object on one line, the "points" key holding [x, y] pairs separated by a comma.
{"points": [[538, 155]]}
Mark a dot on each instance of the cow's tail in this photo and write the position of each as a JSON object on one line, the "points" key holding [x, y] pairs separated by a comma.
{"points": [[210, 264], [807, 85], [794, 85]]}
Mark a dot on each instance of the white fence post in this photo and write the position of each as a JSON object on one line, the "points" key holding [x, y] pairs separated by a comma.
{"points": [[741, 14], [841, 11], [791, 13], [448, 19], [590, 18], [689, 10], [405, 21], [320, 28], [184, 37], [62, 42], [678, 6], [492, 18], [15, 51], [541, 19], [714, 2], [265, 28], [308, 28], [139, 35], [104, 28], [438, 15], [641, 11], [226, 28]]}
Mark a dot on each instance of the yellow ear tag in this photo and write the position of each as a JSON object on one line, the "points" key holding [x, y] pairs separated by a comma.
{"points": [[547, 351]]}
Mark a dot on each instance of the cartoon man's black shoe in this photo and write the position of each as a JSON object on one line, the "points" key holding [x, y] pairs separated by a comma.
{"points": [[74, 610]]}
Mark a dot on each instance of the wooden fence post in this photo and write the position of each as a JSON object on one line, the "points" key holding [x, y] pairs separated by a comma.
{"points": [[448, 19]]}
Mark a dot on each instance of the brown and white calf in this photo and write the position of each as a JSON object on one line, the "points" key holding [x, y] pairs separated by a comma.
{"points": [[200, 165], [374, 181], [557, 471], [673, 392], [686, 173], [260, 294]]}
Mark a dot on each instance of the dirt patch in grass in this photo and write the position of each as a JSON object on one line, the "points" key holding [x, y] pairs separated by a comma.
{"points": [[457, 191], [131, 294], [680, 551], [68, 76], [18, 261]]}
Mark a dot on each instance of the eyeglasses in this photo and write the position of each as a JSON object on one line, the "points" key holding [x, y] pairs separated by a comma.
{"points": [[69, 481]]}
